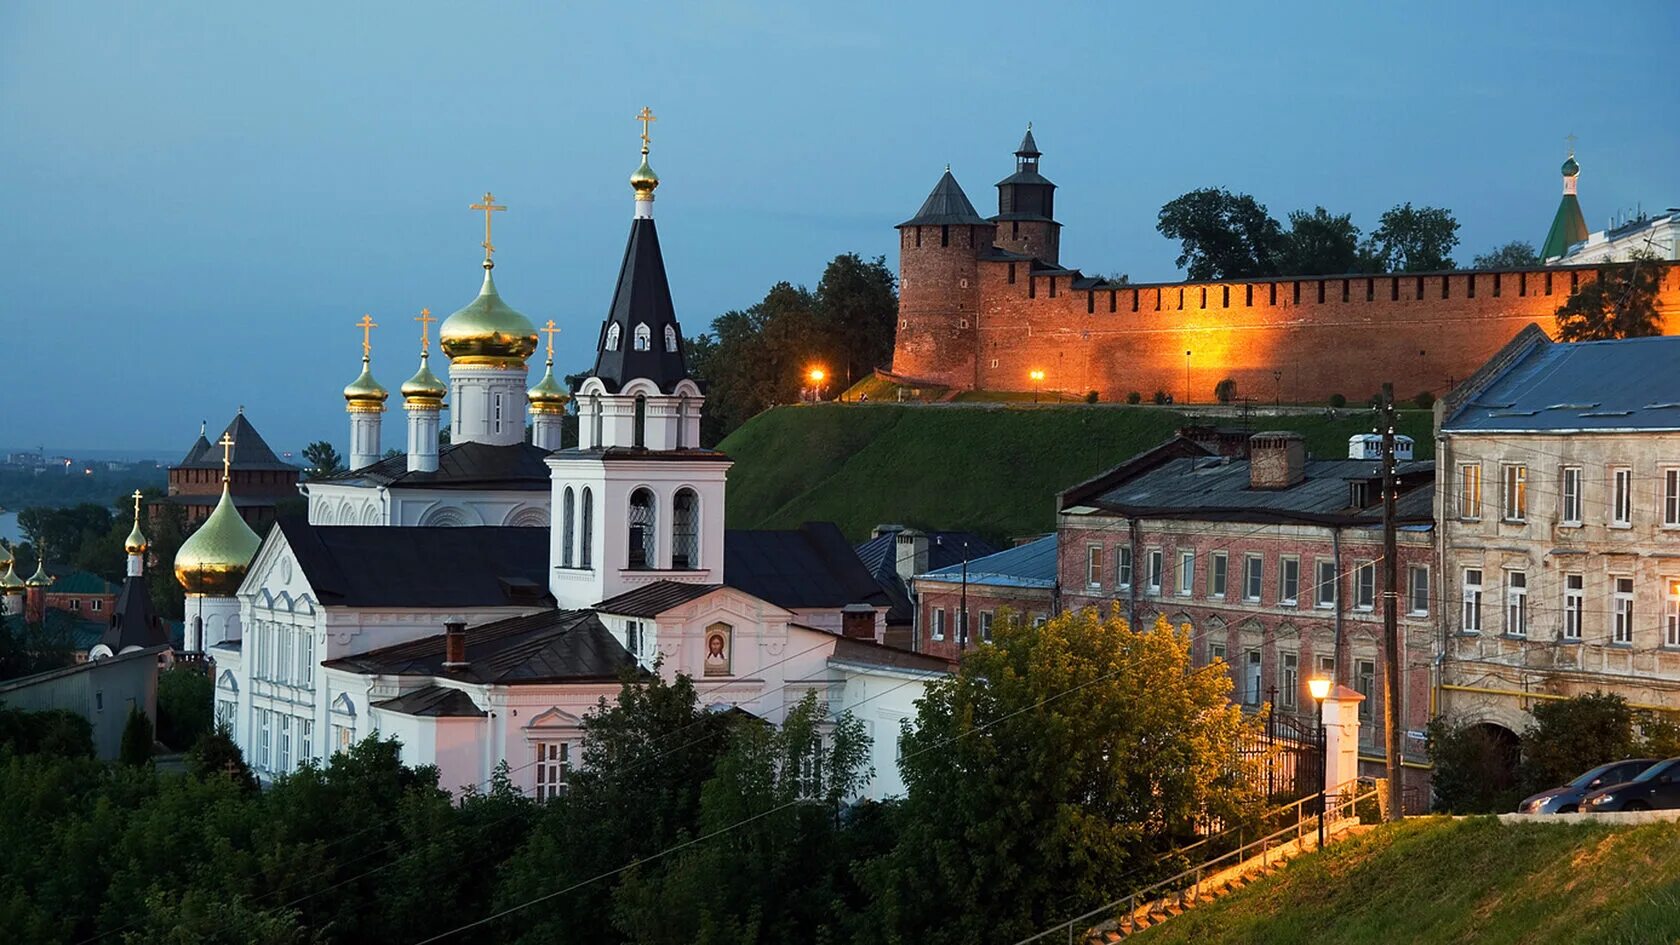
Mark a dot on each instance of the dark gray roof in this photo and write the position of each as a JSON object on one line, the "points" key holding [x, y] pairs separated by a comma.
{"points": [[1632, 384], [947, 205], [249, 450], [811, 566], [434, 701], [22, 682], [1216, 488], [1028, 147], [407, 566], [518, 466], [1032, 564], [546, 647], [133, 622], [870, 653], [651, 600], [643, 297], [880, 556]]}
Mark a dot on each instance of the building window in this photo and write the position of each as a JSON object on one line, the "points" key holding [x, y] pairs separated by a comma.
{"points": [[1417, 590], [1094, 566], [283, 761], [1289, 680], [1327, 667], [685, 530], [1365, 681], [1324, 588], [985, 626], [1671, 497], [642, 520], [343, 737], [1472, 600], [1516, 603], [643, 338], [1513, 498], [1186, 573], [1470, 491], [96, 605], [939, 623], [554, 762], [306, 740], [1123, 568], [1216, 652], [1289, 580], [670, 340], [1156, 566], [1574, 605], [75, 604], [1624, 611], [1671, 615], [283, 667], [598, 415], [1251, 677], [1621, 495], [633, 637], [1253, 572], [306, 658], [568, 524], [638, 428], [225, 711], [264, 736], [1571, 495], [1216, 575], [1365, 585], [612, 337], [586, 547]]}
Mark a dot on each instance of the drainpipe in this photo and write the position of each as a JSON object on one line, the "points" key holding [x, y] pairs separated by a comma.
{"points": [[1135, 539], [1336, 621]]}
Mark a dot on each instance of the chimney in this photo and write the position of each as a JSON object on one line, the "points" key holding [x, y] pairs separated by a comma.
{"points": [[455, 645], [1276, 460], [857, 621], [911, 553]]}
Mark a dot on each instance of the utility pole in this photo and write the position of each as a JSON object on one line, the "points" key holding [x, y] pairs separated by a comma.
{"points": [[962, 607], [1392, 685]]}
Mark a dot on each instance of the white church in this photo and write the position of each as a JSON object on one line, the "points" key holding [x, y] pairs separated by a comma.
{"points": [[476, 600]]}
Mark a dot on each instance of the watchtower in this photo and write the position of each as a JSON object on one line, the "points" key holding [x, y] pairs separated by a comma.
{"points": [[1026, 217], [939, 287]]}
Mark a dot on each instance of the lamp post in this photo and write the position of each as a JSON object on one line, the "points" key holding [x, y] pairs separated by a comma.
{"points": [[1038, 382], [1320, 688]]}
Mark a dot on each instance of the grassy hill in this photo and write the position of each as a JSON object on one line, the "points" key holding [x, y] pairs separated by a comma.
{"points": [[995, 469], [1436, 880]]}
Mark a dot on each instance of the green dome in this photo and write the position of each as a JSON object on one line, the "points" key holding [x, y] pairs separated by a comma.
{"points": [[487, 330], [424, 385], [548, 395], [212, 561], [9, 581], [40, 578], [1570, 168]]}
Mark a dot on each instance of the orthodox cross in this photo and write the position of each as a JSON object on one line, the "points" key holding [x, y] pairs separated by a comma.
{"points": [[1571, 139], [550, 331], [425, 319], [367, 325], [137, 506], [489, 206], [645, 117], [226, 443]]}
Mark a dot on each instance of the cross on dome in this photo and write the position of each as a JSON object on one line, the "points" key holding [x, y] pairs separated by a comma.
{"points": [[425, 319], [646, 117], [550, 330], [226, 443], [488, 206], [367, 325]]}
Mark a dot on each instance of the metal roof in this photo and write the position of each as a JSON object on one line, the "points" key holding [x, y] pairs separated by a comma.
{"points": [[1032, 564], [549, 646], [1605, 386], [434, 701], [811, 566], [1217, 488], [643, 297], [880, 556], [651, 600], [250, 451], [421, 566], [947, 205], [517, 466]]}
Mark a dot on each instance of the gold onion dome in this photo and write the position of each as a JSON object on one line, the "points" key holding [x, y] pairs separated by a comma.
{"points": [[548, 396], [212, 561], [643, 180], [40, 578], [487, 330], [10, 583], [135, 544], [424, 388], [365, 392]]}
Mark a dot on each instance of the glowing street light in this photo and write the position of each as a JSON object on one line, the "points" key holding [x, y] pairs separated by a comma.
{"points": [[1038, 382], [816, 376], [1319, 687]]}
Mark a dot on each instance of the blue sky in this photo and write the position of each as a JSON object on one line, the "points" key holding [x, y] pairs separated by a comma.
{"points": [[201, 199]]}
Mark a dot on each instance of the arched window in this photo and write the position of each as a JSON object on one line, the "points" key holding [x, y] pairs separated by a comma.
{"points": [[685, 530], [642, 522], [600, 417], [567, 526], [586, 547], [640, 429], [612, 337], [670, 339], [644, 337]]}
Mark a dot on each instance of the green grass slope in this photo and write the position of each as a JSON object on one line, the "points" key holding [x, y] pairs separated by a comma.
{"points": [[993, 469], [1437, 880]]}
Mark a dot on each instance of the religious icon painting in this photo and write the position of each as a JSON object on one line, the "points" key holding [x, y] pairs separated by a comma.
{"points": [[717, 650]]}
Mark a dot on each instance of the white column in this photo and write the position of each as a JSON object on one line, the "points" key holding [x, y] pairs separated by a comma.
{"points": [[136, 565], [545, 430], [489, 403], [207, 620], [422, 437], [1340, 718], [364, 437]]}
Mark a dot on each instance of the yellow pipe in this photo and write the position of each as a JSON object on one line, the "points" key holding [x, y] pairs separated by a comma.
{"points": [[1544, 695], [1381, 759]]}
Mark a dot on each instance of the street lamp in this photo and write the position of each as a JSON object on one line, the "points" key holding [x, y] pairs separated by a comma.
{"points": [[1319, 687], [816, 377], [1038, 382]]}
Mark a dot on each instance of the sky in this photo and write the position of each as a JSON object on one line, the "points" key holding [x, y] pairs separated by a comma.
{"points": [[199, 200]]}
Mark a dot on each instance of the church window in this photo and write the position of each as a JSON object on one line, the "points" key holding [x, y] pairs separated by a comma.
{"points": [[642, 548], [670, 339], [685, 530], [554, 764], [612, 337], [599, 415], [306, 660], [639, 430], [283, 665], [586, 547], [306, 739], [283, 759], [263, 738], [644, 338], [567, 524]]}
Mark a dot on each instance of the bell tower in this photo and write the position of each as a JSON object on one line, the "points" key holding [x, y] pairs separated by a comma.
{"points": [[1026, 217]]}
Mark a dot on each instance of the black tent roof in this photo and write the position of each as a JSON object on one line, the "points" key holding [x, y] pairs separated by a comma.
{"points": [[249, 450], [643, 297], [1029, 147], [133, 622], [947, 205]]}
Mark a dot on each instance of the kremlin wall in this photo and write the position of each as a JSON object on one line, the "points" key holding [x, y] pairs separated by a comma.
{"points": [[984, 302]]}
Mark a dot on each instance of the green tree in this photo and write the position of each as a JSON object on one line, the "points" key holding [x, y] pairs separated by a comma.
{"points": [[857, 310], [1620, 303], [1050, 775], [1571, 735], [136, 739], [57, 732], [1321, 243], [185, 700], [1222, 235], [215, 754], [1475, 768], [1517, 254], [1225, 391], [1413, 239], [758, 358], [322, 459]]}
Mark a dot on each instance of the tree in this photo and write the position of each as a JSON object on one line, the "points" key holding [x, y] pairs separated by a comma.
{"points": [[136, 739], [1409, 239], [1221, 235], [185, 700], [1320, 243], [758, 357], [1225, 391], [1517, 254], [1475, 769], [215, 754], [857, 310], [58, 732], [323, 460], [1571, 735], [1620, 303], [1050, 774]]}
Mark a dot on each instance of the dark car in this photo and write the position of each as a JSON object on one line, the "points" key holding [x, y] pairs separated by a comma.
{"points": [[1567, 799], [1657, 788]]}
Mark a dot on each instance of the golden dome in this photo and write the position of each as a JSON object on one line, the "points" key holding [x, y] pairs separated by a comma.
{"points": [[10, 583], [136, 541], [40, 578], [643, 180], [5, 556], [487, 330], [424, 389], [212, 561], [548, 396], [365, 393]]}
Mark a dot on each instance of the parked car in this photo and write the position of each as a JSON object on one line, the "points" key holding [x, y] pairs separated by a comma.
{"points": [[1656, 788], [1567, 799]]}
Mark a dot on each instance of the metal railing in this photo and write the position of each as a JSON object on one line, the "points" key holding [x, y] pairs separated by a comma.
{"points": [[1339, 805]]}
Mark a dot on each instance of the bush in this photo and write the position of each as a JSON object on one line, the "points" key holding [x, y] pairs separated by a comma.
{"points": [[1570, 736], [1091, 397], [1161, 397], [136, 739], [1337, 400], [57, 732], [1475, 769], [1225, 391], [1424, 401], [1133, 397], [185, 702], [1374, 401]]}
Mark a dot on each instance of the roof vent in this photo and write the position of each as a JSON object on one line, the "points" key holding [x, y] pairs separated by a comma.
{"points": [[455, 645]]}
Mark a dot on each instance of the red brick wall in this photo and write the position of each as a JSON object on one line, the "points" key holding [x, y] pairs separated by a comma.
{"points": [[1422, 332], [938, 302], [1025, 603]]}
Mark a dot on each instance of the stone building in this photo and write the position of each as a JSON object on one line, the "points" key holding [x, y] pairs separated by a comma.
{"points": [[1020, 581], [1559, 511], [258, 480], [984, 302]]}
